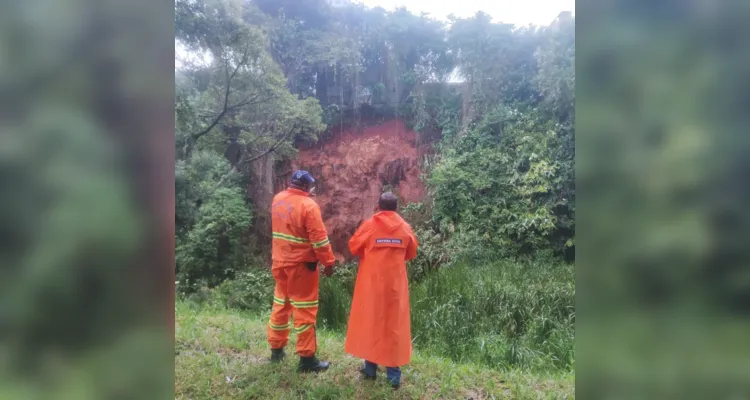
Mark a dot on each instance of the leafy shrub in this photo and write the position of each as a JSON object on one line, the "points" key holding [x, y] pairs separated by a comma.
{"points": [[212, 251], [504, 184], [431, 253], [196, 181], [249, 290], [252, 290], [211, 218], [441, 248]]}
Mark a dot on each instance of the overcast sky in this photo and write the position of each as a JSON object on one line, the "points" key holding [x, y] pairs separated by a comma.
{"points": [[518, 12]]}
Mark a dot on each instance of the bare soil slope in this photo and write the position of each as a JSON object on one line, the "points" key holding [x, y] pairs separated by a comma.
{"points": [[354, 168]]}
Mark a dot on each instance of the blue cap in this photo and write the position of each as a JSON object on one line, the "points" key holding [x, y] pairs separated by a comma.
{"points": [[302, 177]]}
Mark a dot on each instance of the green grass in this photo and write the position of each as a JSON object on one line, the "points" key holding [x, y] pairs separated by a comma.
{"points": [[504, 314], [222, 354]]}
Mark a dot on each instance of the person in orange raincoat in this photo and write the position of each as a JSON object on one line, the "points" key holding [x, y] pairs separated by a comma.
{"points": [[300, 242], [379, 328]]}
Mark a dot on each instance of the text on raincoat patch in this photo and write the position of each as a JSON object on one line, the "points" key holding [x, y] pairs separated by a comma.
{"points": [[388, 242]]}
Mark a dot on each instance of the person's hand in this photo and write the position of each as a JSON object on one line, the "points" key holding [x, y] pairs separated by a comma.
{"points": [[328, 269]]}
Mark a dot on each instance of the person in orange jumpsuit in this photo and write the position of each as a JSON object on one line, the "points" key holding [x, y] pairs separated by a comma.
{"points": [[300, 242], [379, 328]]}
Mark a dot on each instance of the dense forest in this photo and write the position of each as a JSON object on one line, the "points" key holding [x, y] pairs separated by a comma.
{"points": [[257, 79]]}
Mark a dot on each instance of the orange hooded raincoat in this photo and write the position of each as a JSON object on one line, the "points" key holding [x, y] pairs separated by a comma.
{"points": [[379, 324]]}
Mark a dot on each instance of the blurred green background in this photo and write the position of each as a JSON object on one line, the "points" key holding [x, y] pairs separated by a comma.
{"points": [[86, 175], [663, 173]]}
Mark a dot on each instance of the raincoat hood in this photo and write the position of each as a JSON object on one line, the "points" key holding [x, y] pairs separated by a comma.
{"points": [[389, 221]]}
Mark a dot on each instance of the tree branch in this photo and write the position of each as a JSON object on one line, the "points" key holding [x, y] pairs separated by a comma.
{"points": [[197, 135], [273, 147], [226, 107], [247, 101], [245, 161]]}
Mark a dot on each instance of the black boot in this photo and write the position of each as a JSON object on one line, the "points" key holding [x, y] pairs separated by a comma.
{"points": [[277, 355], [312, 364]]}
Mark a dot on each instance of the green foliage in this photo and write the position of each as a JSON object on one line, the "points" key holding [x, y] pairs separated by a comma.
{"points": [[207, 24], [81, 212], [338, 54], [249, 290], [238, 90], [419, 46], [501, 183], [498, 59], [336, 293], [436, 108], [196, 181], [236, 93], [213, 249], [665, 164], [431, 255], [70, 226], [210, 218], [555, 79], [432, 252], [502, 315], [504, 182]]}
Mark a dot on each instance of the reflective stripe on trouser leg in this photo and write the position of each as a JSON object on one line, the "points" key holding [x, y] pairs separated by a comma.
{"points": [[303, 295], [304, 327], [279, 324]]}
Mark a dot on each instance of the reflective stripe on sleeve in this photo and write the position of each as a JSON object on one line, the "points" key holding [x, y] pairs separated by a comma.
{"points": [[320, 244], [288, 238]]}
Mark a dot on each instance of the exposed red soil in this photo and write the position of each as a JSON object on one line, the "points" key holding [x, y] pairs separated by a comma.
{"points": [[353, 169]]}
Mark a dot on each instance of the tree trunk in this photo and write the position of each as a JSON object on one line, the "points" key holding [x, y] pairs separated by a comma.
{"points": [[261, 191], [467, 110], [321, 85]]}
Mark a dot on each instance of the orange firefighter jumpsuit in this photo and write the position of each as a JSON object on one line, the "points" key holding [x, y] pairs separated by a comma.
{"points": [[379, 328], [299, 237]]}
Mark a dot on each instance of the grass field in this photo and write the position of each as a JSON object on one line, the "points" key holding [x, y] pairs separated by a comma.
{"points": [[502, 315], [222, 354]]}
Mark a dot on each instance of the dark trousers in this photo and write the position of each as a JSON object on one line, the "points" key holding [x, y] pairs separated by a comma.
{"points": [[392, 373]]}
